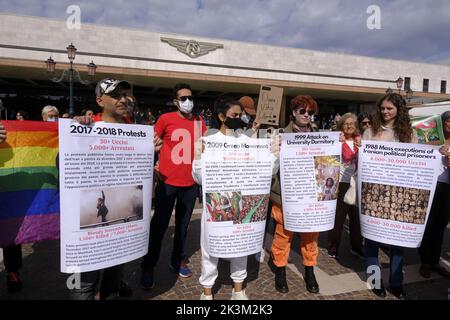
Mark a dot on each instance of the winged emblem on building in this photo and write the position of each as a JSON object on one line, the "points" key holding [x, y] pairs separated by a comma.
{"points": [[192, 48]]}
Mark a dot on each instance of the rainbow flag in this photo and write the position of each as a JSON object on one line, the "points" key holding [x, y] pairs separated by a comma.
{"points": [[29, 195]]}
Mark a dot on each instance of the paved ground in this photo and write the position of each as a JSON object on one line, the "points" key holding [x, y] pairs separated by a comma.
{"points": [[338, 279]]}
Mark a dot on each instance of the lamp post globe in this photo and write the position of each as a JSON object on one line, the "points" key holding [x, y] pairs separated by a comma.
{"points": [[50, 65], [71, 74], [71, 52]]}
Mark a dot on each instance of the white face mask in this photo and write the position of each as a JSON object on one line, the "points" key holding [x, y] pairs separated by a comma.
{"points": [[245, 118], [186, 106], [51, 119]]}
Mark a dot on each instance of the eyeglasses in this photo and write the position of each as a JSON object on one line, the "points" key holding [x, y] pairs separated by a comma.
{"points": [[184, 98], [352, 124], [365, 122], [303, 111]]}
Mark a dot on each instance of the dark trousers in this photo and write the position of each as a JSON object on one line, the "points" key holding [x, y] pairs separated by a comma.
{"points": [[431, 246], [396, 261], [107, 281], [342, 209], [12, 258], [165, 198]]}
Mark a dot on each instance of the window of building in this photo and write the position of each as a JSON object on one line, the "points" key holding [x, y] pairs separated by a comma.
{"points": [[426, 82], [443, 86], [407, 83]]}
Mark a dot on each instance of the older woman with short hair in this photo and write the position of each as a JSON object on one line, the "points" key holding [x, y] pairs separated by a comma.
{"points": [[348, 125], [49, 113]]}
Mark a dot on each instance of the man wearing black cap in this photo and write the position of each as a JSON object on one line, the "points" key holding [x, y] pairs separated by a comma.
{"points": [[113, 97]]}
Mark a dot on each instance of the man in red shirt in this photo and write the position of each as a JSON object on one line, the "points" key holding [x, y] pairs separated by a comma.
{"points": [[178, 130]]}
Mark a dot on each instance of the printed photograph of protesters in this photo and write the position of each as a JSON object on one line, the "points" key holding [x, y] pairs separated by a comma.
{"points": [[394, 203], [108, 206], [254, 208], [327, 177], [223, 206]]}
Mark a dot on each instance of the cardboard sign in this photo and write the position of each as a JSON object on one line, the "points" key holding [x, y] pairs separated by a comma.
{"points": [[269, 105]]}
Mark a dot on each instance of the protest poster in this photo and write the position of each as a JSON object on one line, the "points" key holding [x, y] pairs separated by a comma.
{"points": [[269, 105], [429, 129], [106, 175], [309, 174], [396, 189], [236, 178], [29, 196]]}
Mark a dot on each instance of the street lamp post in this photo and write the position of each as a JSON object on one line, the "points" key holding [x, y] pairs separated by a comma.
{"points": [[399, 83], [71, 74]]}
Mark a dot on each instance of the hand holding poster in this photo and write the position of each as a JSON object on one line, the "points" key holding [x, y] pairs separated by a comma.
{"points": [[106, 174], [309, 172], [269, 105], [236, 177], [396, 185]]}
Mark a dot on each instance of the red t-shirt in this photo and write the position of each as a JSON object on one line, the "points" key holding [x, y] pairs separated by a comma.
{"points": [[177, 152], [98, 117]]}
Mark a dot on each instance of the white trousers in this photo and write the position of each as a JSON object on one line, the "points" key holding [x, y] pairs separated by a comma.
{"points": [[238, 268]]}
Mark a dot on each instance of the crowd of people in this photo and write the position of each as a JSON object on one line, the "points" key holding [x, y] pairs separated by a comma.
{"points": [[136, 114], [177, 187]]}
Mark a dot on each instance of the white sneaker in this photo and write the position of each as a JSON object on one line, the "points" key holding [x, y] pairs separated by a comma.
{"points": [[206, 297], [239, 295]]}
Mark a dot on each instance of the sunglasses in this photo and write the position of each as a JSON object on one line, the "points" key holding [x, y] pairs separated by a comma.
{"points": [[365, 122], [303, 111], [119, 94], [184, 98]]}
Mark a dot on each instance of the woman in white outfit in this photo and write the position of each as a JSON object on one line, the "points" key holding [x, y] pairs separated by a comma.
{"points": [[227, 115]]}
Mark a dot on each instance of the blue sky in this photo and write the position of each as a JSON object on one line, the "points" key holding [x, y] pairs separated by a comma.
{"points": [[410, 30]]}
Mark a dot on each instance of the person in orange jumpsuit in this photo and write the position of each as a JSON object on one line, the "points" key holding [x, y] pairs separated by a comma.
{"points": [[302, 108]]}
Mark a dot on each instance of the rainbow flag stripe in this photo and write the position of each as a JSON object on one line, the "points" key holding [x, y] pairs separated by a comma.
{"points": [[29, 195]]}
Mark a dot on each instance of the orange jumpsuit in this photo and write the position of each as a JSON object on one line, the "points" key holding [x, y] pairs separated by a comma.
{"points": [[282, 239], [281, 245]]}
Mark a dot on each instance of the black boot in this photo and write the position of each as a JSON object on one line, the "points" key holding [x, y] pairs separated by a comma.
{"points": [[310, 280], [381, 291], [280, 276], [280, 280]]}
